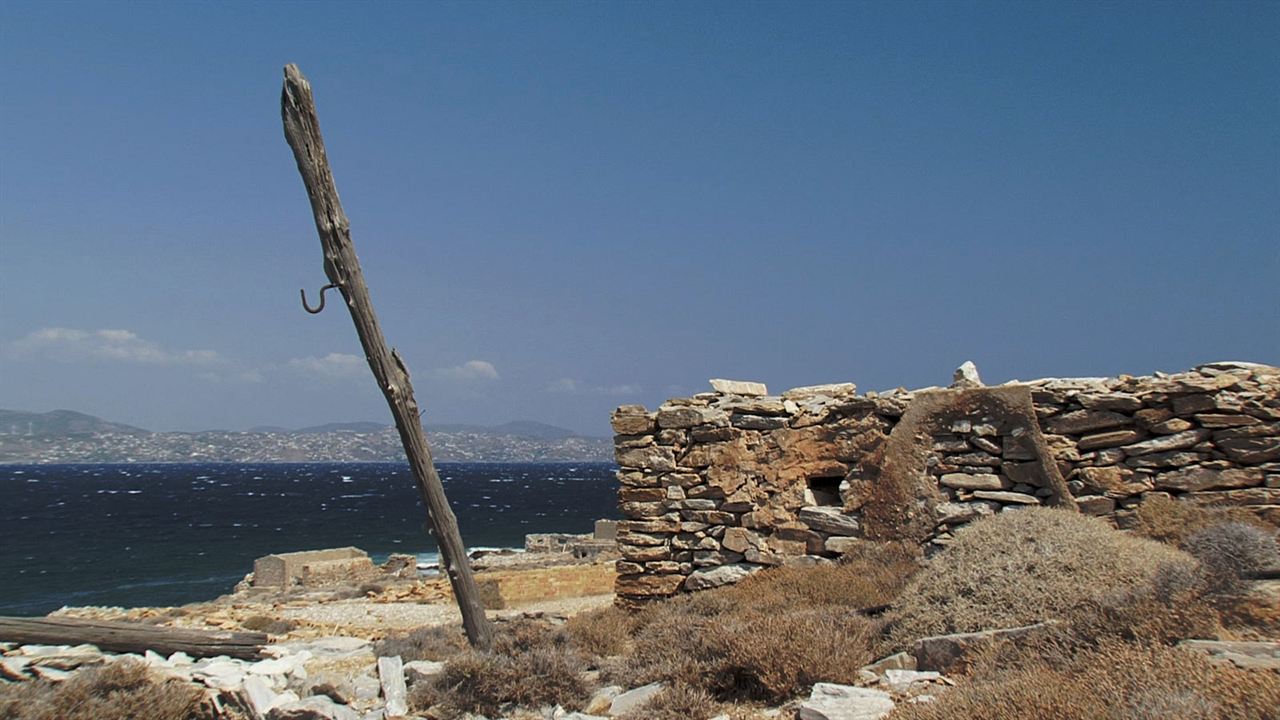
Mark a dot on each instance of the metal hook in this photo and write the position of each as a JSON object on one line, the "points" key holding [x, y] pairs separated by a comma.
{"points": [[307, 307]]}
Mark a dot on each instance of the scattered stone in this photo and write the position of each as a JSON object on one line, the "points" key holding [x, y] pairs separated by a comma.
{"points": [[632, 699], [1245, 655], [417, 671], [391, 675], [602, 699], [897, 661], [312, 708], [946, 653], [900, 680], [829, 701]]}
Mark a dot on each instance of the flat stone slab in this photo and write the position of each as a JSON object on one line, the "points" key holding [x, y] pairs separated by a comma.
{"points": [[830, 701], [632, 699], [739, 387]]}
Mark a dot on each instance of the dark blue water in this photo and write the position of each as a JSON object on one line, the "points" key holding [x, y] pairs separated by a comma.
{"points": [[164, 534]]}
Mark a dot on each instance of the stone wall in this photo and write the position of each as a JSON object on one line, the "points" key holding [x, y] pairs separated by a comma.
{"points": [[718, 485], [511, 588]]}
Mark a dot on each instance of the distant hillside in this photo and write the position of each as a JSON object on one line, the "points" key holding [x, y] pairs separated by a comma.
{"points": [[64, 436], [356, 427], [58, 423]]}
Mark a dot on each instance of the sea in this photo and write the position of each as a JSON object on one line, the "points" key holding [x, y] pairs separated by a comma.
{"points": [[168, 534]]}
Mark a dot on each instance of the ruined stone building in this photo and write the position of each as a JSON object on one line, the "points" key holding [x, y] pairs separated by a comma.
{"points": [[723, 483]]}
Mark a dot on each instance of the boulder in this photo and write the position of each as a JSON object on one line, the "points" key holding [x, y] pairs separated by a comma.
{"points": [[391, 676], [602, 699], [418, 671], [829, 701]]}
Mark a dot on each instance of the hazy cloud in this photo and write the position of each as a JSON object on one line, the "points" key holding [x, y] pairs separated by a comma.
{"points": [[471, 370], [571, 386], [334, 366], [69, 344]]}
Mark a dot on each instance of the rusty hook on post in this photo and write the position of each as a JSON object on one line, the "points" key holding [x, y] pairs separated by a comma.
{"points": [[316, 310]]}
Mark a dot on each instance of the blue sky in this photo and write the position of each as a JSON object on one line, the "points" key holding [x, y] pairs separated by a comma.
{"points": [[562, 207]]}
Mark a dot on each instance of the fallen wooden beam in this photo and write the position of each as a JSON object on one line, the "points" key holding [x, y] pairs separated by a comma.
{"points": [[131, 637]]}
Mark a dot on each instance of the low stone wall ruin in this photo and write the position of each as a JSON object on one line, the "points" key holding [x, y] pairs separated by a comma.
{"points": [[723, 483]]}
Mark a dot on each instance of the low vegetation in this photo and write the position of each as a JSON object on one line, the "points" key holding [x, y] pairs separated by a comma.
{"points": [[1023, 567], [1115, 681], [123, 690], [1120, 601]]}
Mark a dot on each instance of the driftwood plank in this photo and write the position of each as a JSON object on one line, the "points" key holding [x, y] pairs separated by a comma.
{"points": [[131, 637], [302, 131]]}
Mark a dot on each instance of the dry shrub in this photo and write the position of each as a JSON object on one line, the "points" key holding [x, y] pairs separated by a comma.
{"points": [[602, 632], [123, 690], [1230, 552], [269, 625], [482, 682], [1116, 681], [435, 642], [770, 655], [1020, 568], [677, 702], [871, 577], [1173, 521], [1170, 607]]}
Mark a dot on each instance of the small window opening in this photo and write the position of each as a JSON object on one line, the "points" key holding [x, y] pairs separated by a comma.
{"points": [[825, 490]]}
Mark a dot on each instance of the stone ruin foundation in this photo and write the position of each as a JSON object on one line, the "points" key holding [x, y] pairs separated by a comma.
{"points": [[721, 484]]}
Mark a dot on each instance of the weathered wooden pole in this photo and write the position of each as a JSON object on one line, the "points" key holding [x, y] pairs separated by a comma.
{"points": [[302, 131]]}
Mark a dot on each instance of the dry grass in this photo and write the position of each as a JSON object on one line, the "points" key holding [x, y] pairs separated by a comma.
{"points": [[1172, 521], [1020, 568], [124, 690], [478, 682], [1230, 552], [602, 632], [757, 655], [436, 642], [1116, 681], [269, 625]]}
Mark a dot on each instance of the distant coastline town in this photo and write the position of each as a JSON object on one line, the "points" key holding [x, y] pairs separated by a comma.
{"points": [[65, 436]]}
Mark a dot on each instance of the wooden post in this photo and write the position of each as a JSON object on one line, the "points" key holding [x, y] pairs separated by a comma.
{"points": [[302, 131]]}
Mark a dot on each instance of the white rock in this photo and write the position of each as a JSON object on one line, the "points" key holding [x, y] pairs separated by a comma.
{"points": [[603, 699], [260, 698], [14, 668], [422, 670], [829, 701], [279, 666], [180, 658], [717, 576], [633, 699], [739, 387], [901, 680], [966, 376], [391, 674]]}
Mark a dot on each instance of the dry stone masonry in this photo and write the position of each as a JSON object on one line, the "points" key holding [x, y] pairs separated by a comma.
{"points": [[718, 485]]}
